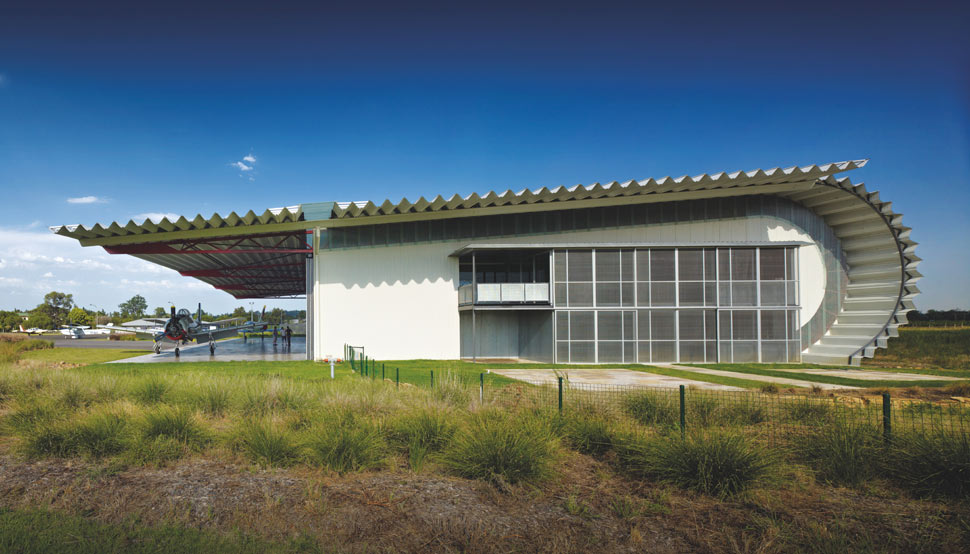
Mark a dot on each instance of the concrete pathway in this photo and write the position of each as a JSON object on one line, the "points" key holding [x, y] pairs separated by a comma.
{"points": [[620, 377], [870, 375], [233, 350], [751, 377]]}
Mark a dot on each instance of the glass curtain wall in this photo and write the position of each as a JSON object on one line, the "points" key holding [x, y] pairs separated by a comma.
{"points": [[736, 304]]}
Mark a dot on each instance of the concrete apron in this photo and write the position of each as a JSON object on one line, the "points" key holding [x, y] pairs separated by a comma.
{"points": [[764, 378], [609, 377]]}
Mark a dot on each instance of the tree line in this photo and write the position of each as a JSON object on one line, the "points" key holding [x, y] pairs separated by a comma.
{"points": [[59, 309]]}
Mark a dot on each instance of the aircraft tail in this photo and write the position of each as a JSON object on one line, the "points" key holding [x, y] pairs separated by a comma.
{"points": [[199, 315], [22, 329]]}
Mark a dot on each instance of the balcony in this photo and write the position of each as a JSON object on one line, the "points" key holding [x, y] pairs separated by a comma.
{"points": [[503, 294]]}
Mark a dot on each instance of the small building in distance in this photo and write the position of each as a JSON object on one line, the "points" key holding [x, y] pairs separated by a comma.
{"points": [[792, 264]]}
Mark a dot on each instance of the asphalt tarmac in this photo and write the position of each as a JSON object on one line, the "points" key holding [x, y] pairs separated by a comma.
{"points": [[61, 341], [252, 349]]}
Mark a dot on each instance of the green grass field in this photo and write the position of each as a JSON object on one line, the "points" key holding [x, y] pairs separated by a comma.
{"points": [[253, 456], [926, 347]]}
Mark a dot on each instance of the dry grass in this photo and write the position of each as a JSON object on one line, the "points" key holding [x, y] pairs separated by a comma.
{"points": [[414, 470]]}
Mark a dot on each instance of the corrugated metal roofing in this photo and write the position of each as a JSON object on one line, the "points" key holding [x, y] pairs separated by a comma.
{"points": [[686, 183], [347, 210]]}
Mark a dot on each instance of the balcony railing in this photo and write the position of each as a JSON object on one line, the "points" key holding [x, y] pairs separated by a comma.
{"points": [[504, 293]]}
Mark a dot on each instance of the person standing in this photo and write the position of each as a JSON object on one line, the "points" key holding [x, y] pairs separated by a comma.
{"points": [[289, 336], [275, 334]]}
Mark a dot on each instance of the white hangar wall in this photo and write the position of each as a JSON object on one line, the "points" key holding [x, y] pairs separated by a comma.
{"points": [[401, 302]]}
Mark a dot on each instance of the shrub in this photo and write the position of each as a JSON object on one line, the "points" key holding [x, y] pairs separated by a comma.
{"points": [[651, 408], [932, 463], [716, 463], [344, 448], [150, 391], [769, 388], [267, 444], [841, 453], [175, 423], [497, 446]]}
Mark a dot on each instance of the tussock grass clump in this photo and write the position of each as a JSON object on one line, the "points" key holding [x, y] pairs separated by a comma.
{"points": [[704, 411], [588, 433], [430, 428], [101, 434], [153, 451], [651, 408], [267, 444], [503, 447], [275, 395], [841, 453], [932, 463], [808, 411], [957, 389], [31, 412], [150, 391], [214, 400], [178, 424], [54, 438], [450, 389], [745, 413], [719, 463], [344, 448], [74, 397]]}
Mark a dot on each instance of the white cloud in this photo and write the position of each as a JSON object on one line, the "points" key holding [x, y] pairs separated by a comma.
{"points": [[246, 166], [32, 261], [155, 217], [86, 200]]}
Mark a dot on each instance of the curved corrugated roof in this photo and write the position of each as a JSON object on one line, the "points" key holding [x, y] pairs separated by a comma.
{"points": [[614, 189], [358, 209]]}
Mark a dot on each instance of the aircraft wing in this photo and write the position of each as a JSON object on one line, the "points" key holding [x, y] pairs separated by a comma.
{"points": [[223, 321], [150, 335], [215, 334]]}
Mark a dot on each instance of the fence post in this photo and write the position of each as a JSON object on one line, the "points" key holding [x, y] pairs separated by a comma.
{"points": [[560, 395], [397, 377], [481, 387], [382, 372], [887, 417], [683, 414], [432, 378]]}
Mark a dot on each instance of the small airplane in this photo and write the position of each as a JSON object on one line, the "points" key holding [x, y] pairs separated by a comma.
{"points": [[34, 330], [82, 331], [181, 329]]}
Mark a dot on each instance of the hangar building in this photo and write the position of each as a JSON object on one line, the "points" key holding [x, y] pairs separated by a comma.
{"points": [[789, 264]]}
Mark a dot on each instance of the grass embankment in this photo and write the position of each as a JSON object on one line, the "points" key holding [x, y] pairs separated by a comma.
{"points": [[606, 476], [926, 348], [12, 347]]}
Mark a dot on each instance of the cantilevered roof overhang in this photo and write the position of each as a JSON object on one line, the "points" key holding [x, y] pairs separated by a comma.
{"points": [[251, 256]]}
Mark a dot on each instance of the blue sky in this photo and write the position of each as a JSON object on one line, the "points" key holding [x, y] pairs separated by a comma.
{"points": [[151, 111]]}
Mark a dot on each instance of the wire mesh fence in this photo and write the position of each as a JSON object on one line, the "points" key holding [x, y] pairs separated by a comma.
{"points": [[771, 414]]}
